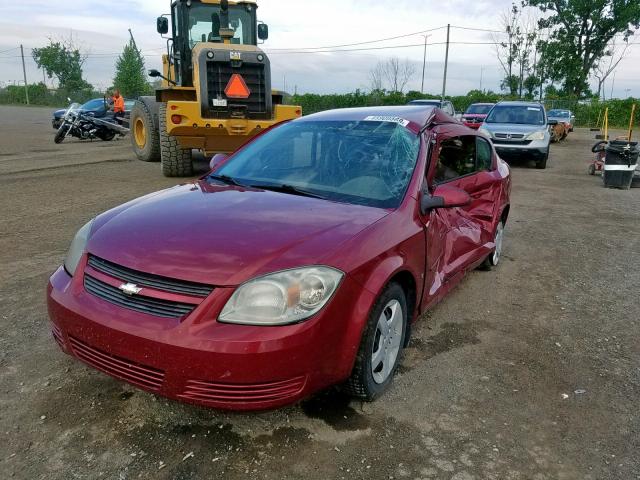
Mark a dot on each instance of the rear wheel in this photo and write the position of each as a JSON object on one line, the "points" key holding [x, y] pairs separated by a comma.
{"points": [[592, 169], [381, 345], [176, 161], [107, 136], [144, 135]]}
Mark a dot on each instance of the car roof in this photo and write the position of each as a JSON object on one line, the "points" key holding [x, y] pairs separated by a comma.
{"points": [[417, 115], [515, 103]]}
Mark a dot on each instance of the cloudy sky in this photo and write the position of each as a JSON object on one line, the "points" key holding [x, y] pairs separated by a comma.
{"points": [[99, 27]]}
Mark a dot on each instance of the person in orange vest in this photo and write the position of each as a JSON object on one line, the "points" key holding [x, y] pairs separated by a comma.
{"points": [[118, 106]]}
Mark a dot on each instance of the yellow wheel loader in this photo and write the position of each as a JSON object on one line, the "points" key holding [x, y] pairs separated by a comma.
{"points": [[216, 86]]}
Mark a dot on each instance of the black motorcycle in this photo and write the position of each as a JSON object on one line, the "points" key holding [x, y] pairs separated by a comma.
{"points": [[86, 127]]}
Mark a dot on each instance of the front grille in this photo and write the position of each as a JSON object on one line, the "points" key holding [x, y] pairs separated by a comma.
{"points": [[57, 335], [511, 142], [218, 76], [139, 303], [135, 373], [509, 136], [249, 393], [149, 280]]}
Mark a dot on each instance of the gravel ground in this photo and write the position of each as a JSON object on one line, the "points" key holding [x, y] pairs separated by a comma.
{"points": [[529, 371]]}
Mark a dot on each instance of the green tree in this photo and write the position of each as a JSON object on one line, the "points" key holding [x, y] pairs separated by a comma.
{"points": [[64, 61], [131, 77], [580, 32]]}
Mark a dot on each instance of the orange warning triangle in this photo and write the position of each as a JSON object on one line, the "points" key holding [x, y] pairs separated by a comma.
{"points": [[237, 88]]}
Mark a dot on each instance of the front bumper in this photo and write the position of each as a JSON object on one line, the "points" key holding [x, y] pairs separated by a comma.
{"points": [[536, 150], [198, 360]]}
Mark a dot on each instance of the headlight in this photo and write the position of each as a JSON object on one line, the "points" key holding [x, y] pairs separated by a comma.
{"points": [[537, 135], [485, 132], [77, 248], [282, 298]]}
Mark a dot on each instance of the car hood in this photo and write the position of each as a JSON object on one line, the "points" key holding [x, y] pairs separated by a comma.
{"points": [[223, 235], [512, 128]]}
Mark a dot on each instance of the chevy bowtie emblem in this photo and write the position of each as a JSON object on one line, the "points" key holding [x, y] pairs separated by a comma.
{"points": [[130, 289]]}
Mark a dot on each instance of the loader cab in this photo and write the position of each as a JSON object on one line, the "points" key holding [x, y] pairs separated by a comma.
{"points": [[212, 21]]}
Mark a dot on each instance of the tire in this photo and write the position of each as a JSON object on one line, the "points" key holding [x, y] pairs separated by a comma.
{"points": [[145, 137], [176, 161], [60, 134], [493, 260], [592, 169], [369, 381], [542, 163], [635, 181], [107, 136]]}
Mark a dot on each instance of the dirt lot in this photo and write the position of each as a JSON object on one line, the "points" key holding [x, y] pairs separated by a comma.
{"points": [[480, 394]]}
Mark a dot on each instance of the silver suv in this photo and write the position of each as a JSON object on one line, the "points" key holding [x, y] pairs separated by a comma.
{"points": [[519, 129]]}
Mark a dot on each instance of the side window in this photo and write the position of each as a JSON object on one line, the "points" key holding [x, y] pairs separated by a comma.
{"points": [[456, 158], [484, 154]]}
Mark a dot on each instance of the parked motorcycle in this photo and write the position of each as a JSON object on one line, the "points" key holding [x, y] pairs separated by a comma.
{"points": [[86, 127]]}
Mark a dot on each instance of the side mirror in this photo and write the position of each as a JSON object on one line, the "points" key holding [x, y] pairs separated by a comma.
{"points": [[162, 25], [153, 73], [217, 159], [444, 196], [263, 31]]}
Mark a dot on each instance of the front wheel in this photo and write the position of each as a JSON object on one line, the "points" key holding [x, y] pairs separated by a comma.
{"points": [[542, 163], [381, 346], [61, 133], [144, 136], [176, 161], [498, 238]]}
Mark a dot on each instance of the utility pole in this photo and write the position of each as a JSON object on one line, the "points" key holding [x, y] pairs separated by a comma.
{"points": [[446, 64], [424, 61], [481, 75], [24, 72]]}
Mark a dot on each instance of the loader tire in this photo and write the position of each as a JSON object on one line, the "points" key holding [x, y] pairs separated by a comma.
{"points": [[144, 135], [175, 160]]}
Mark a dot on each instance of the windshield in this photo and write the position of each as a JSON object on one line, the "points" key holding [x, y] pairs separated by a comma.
{"points": [[93, 105], [204, 24], [559, 113], [517, 114], [360, 162], [479, 109]]}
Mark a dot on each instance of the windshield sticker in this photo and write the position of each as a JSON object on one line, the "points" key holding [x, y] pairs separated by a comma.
{"points": [[382, 118]]}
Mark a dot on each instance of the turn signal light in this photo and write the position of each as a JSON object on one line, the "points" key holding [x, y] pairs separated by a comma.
{"points": [[176, 119], [237, 87]]}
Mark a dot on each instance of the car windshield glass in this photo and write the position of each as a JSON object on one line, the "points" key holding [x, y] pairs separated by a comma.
{"points": [[95, 104], [559, 113], [516, 114], [360, 162], [204, 23], [479, 109]]}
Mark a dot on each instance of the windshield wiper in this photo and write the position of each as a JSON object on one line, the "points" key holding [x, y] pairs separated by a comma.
{"points": [[284, 188], [226, 179]]}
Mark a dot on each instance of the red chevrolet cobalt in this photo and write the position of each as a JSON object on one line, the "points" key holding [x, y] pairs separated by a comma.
{"points": [[298, 263]]}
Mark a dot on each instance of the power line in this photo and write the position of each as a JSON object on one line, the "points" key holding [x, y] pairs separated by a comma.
{"points": [[390, 47], [363, 43]]}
